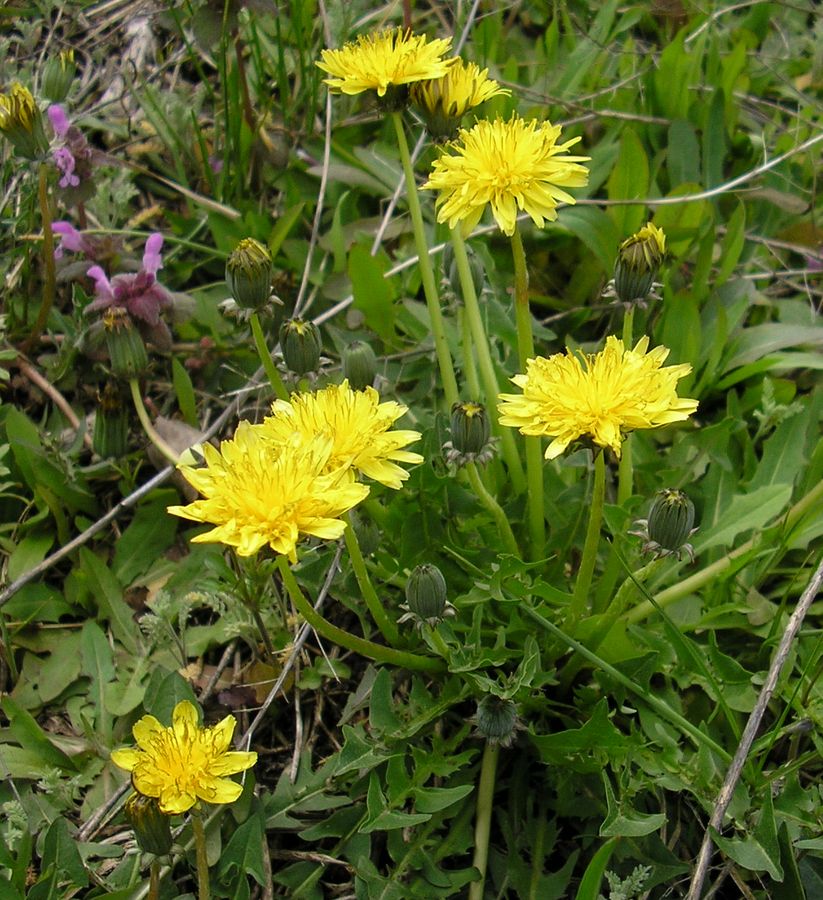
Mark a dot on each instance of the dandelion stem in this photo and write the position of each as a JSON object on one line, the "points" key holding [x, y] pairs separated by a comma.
{"points": [[150, 430], [203, 889], [584, 575], [469, 366], [48, 258], [270, 368], [154, 880], [441, 345], [387, 628], [357, 645], [482, 826], [491, 387], [494, 508], [525, 348], [439, 644], [625, 471]]}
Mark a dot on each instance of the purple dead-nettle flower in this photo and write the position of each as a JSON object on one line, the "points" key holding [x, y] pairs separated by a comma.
{"points": [[74, 158], [140, 294], [71, 239]]}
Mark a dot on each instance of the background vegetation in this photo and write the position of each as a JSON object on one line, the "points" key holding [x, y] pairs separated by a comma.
{"points": [[210, 123]]}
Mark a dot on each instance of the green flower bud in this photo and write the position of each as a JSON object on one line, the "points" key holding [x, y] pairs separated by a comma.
{"points": [[359, 365], [451, 274], [470, 427], [151, 827], [671, 520], [300, 343], [22, 123], [111, 423], [58, 74], [426, 596], [248, 274], [127, 352], [638, 261], [497, 720]]}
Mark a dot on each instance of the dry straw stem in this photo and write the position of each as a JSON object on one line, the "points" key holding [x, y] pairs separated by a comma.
{"points": [[749, 733]]}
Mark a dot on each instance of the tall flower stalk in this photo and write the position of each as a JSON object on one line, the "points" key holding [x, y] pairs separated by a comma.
{"points": [[480, 343], [441, 344], [525, 348]]}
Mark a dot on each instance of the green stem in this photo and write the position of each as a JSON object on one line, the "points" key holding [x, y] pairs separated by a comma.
{"points": [[704, 576], [270, 368], [625, 471], [203, 891], [698, 737], [482, 826], [154, 880], [151, 433], [350, 641], [491, 386], [494, 508], [525, 350], [441, 344], [580, 597], [48, 259], [439, 644], [469, 366], [387, 628]]}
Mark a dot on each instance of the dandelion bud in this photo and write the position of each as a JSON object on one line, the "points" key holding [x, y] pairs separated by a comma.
{"points": [[671, 519], [359, 365], [127, 352], [470, 427], [497, 720], [22, 123], [151, 827], [638, 261], [111, 423], [58, 74], [452, 275], [248, 274], [300, 343], [426, 596]]}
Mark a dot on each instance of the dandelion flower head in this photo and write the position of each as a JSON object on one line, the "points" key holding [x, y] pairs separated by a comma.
{"points": [[375, 62], [357, 424], [18, 109], [444, 101], [257, 494], [184, 763], [509, 165], [601, 396]]}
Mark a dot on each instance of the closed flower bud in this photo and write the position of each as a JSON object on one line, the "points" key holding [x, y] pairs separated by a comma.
{"points": [[300, 343], [669, 526], [638, 261], [497, 720], [58, 74], [151, 827], [471, 435], [426, 594], [359, 365], [671, 519], [127, 352], [451, 278], [111, 423], [248, 274], [22, 123]]}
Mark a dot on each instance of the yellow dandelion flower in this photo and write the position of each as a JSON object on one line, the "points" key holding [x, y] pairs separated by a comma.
{"points": [[357, 424], [444, 101], [510, 165], [259, 494], [375, 62], [601, 395], [185, 763], [21, 121]]}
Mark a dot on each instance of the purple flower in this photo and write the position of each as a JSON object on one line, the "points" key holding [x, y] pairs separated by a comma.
{"points": [[140, 294], [70, 239], [73, 157]]}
